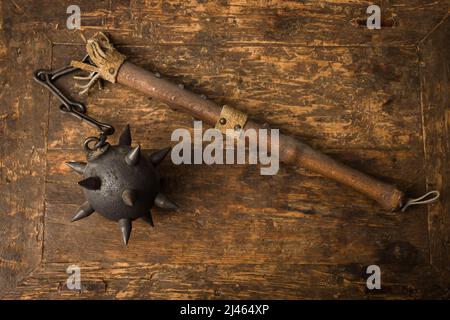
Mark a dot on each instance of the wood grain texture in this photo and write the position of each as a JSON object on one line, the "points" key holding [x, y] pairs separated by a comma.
{"points": [[121, 280], [307, 67], [259, 22], [23, 128], [435, 75]]}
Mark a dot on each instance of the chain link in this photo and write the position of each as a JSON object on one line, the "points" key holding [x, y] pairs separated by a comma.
{"points": [[78, 110]]}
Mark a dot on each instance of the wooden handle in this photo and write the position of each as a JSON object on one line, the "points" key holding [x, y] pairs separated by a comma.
{"points": [[295, 152], [291, 150]]}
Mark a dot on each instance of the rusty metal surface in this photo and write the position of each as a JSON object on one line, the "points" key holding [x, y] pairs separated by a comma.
{"points": [[121, 183], [291, 150]]}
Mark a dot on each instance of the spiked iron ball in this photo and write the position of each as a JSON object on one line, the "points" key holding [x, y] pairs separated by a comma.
{"points": [[121, 183]]}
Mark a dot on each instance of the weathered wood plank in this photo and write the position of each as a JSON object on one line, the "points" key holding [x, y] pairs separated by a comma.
{"points": [[307, 68], [351, 102], [214, 23], [122, 280], [23, 128], [235, 229], [434, 66]]}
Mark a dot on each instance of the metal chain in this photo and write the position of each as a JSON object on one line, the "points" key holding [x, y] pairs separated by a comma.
{"points": [[78, 110]]}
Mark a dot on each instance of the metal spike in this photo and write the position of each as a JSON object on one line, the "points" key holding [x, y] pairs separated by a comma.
{"points": [[84, 211], [161, 201], [125, 137], [148, 218], [91, 183], [159, 155], [76, 166], [129, 197], [133, 156], [125, 228]]}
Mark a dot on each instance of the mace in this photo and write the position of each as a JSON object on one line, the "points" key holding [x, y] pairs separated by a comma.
{"points": [[122, 183], [112, 66]]}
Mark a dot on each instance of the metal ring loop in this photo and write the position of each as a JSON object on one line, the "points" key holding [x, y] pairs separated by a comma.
{"points": [[101, 142], [88, 140]]}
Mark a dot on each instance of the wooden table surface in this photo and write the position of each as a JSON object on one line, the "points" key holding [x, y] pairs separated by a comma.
{"points": [[374, 99]]}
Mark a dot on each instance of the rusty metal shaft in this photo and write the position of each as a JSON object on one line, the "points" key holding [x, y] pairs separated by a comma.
{"points": [[291, 150]]}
